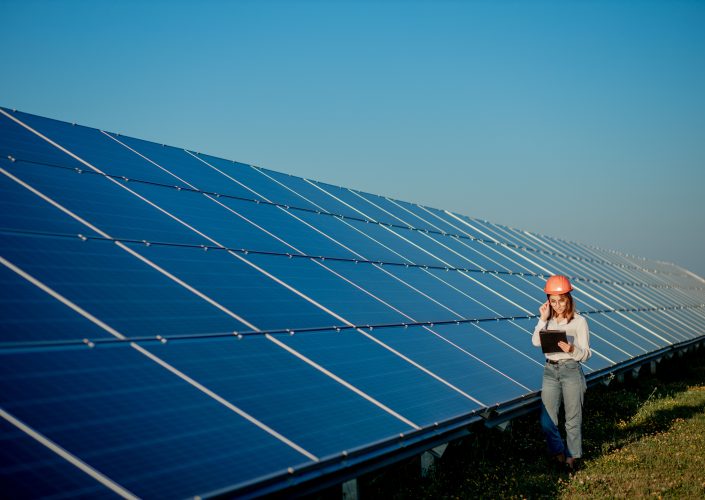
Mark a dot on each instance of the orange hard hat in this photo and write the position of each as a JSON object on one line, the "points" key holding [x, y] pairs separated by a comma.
{"points": [[557, 285]]}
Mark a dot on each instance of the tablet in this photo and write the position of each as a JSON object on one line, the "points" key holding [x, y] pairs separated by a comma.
{"points": [[550, 339]]}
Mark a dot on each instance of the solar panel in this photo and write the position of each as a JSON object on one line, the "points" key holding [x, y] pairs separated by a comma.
{"points": [[175, 324]]}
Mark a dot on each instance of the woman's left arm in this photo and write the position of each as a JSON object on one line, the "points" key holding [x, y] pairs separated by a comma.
{"points": [[581, 346]]}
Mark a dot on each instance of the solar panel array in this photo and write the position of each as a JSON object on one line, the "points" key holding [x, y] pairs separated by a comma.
{"points": [[175, 324]]}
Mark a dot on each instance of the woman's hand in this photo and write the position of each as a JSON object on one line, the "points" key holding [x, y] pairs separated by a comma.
{"points": [[544, 311], [565, 346]]}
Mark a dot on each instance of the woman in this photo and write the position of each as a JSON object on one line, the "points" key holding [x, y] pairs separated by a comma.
{"points": [[563, 377]]}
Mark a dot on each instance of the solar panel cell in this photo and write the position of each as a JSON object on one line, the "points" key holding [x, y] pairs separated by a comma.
{"points": [[29, 314], [185, 168], [339, 287], [103, 204], [259, 182], [391, 376], [465, 368], [113, 285], [500, 352], [135, 422], [322, 415], [29, 469]]}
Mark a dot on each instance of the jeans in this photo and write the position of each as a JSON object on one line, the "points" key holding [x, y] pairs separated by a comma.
{"points": [[563, 382]]}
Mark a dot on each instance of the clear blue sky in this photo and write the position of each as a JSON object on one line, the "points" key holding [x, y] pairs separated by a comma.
{"points": [[581, 120]]}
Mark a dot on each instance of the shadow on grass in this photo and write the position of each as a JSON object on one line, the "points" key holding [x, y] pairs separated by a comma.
{"points": [[514, 464], [615, 417]]}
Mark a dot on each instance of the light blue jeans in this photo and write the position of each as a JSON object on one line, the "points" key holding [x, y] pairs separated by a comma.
{"points": [[564, 382]]}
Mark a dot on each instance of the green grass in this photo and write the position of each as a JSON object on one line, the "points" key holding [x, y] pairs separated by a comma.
{"points": [[658, 451], [641, 438]]}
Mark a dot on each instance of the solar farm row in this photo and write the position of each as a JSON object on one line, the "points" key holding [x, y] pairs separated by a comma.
{"points": [[176, 324]]}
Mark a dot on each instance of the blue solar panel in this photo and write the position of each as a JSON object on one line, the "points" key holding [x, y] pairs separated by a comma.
{"points": [[31, 470], [135, 422], [175, 324], [114, 286], [20, 321], [412, 393], [323, 416]]}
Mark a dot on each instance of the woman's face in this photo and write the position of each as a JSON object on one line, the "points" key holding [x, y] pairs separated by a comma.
{"points": [[558, 303]]}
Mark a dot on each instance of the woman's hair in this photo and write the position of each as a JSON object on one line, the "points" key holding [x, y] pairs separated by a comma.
{"points": [[569, 310]]}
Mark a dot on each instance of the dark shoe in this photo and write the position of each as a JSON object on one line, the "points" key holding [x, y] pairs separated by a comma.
{"points": [[572, 464], [558, 462]]}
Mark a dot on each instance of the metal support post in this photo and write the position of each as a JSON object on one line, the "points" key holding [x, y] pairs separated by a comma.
{"points": [[351, 490], [428, 458]]}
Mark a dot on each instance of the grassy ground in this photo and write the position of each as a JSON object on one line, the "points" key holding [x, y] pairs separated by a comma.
{"points": [[641, 438]]}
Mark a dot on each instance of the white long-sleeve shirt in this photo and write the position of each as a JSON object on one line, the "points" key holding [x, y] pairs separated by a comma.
{"points": [[577, 328]]}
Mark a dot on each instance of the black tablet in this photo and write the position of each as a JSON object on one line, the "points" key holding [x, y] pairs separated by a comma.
{"points": [[550, 339]]}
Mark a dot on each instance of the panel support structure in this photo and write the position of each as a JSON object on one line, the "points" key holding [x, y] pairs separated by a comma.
{"points": [[429, 458], [351, 490]]}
